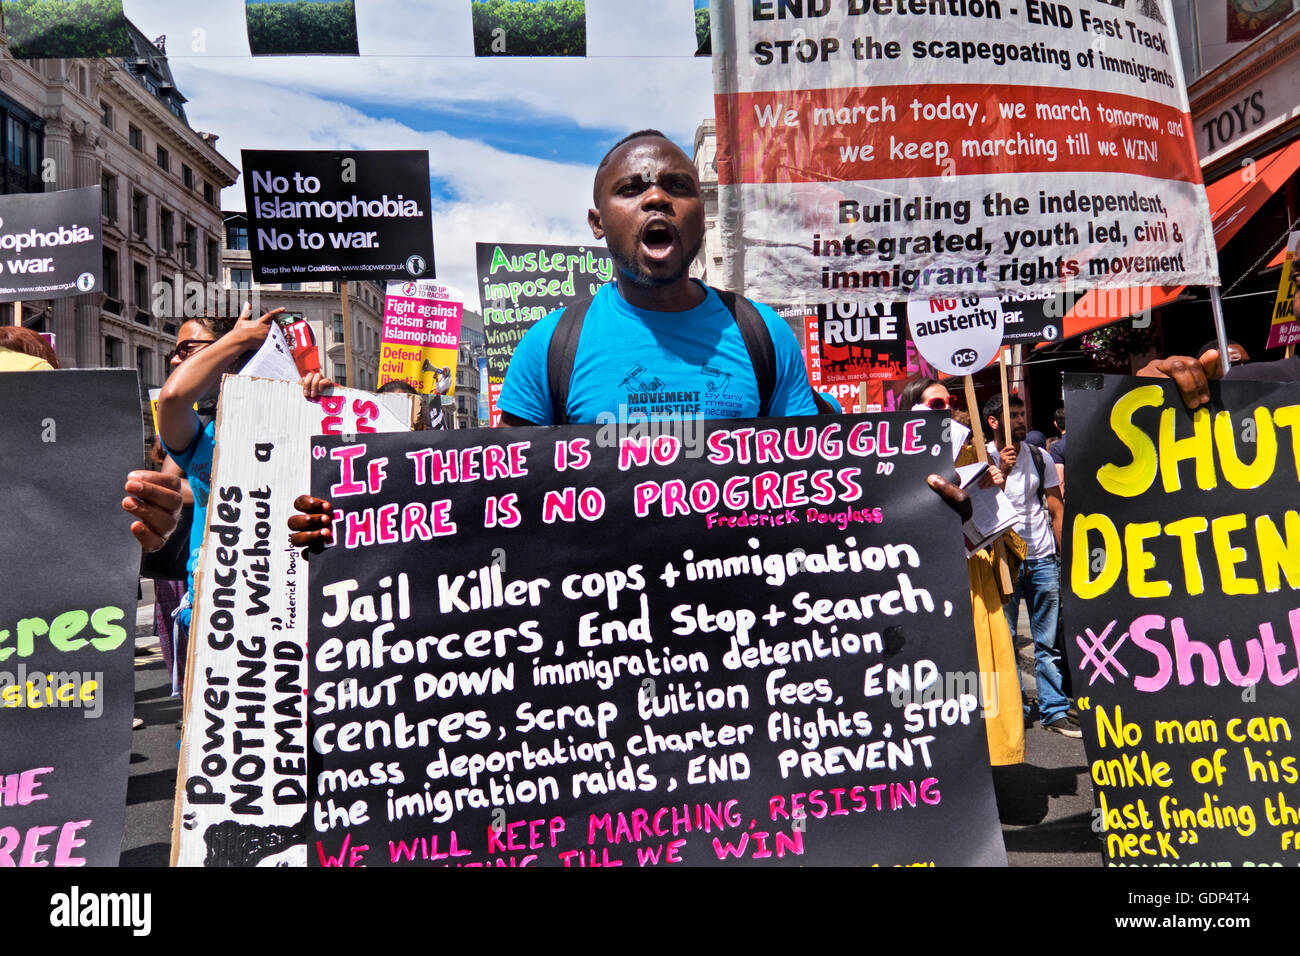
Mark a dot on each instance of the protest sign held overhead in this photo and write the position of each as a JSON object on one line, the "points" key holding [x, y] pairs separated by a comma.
{"points": [[242, 787], [421, 336], [862, 341], [1044, 143], [722, 643], [958, 336], [1284, 328], [67, 615], [520, 283], [1182, 622], [326, 215], [50, 244], [1033, 316]]}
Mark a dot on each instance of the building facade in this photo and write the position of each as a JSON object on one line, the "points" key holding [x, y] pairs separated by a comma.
{"points": [[119, 125]]}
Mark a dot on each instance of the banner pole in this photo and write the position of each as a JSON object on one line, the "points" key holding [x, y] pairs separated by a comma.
{"points": [[1000, 567], [347, 334], [18, 313], [1006, 406], [1216, 304]]}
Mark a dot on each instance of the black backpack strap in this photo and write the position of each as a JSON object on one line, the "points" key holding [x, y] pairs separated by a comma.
{"points": [[1041, 467], [758, 342], [560, 355]]}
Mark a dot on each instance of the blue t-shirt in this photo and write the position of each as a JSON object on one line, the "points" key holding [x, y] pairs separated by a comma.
{"points": [[196, 462], [664, 365]]}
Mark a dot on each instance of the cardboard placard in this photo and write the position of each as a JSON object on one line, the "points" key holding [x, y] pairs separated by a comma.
{"points": [[67, 614], [750, 643], [1182, 624], [316, 215], [241, 782]]}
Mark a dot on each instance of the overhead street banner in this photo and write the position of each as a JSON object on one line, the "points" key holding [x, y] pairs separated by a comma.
{"points": [[50, 244], [886, 147]]}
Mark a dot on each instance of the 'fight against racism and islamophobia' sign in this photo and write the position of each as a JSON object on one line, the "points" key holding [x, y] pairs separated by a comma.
{"points": [[1044, 144], [520, 283], [67, 614], [243, 771], [1182, 620], [421, 336], [50, 244], [322, 216], [733, 642]]}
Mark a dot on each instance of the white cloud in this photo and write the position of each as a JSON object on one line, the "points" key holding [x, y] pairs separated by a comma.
{"points": [[426, 62], [303, 103]]}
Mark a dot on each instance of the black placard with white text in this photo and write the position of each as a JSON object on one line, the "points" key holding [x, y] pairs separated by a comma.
{"points": [[325, 215], [734, 642], [50, 244]]}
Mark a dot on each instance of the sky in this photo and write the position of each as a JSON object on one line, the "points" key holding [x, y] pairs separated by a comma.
{"points": [[513, 143]]}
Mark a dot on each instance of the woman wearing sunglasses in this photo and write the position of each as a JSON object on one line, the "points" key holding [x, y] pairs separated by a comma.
{"points": [[169, 592], [1003, 722]]}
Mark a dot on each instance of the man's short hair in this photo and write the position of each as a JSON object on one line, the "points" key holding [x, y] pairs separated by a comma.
{"points": [[993, 407], [639, 134], [1214, 344], [1058, 419]]}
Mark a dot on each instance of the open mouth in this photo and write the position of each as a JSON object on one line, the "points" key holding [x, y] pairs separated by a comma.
{"points": [[658, 239]]}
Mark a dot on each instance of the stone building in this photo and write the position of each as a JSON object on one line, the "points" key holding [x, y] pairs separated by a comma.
{"points": [[119, 125]]}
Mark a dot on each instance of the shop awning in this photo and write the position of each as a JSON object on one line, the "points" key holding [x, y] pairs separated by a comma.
{"points": [[1233, 200]]}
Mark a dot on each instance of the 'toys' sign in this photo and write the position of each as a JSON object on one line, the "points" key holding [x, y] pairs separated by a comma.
{"points": [[954, 334]]}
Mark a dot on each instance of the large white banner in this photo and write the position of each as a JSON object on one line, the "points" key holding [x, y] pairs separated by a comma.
{"points": [[939, 146], [242, 788]]}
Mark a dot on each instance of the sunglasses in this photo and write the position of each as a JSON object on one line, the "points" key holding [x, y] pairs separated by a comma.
{"points": [[938, 404], [187, 348]]}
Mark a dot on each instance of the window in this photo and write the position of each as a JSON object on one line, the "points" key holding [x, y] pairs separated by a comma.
{"points": [[338, 325], [112, 352], [291, 286], [187, 176], [105, 114], [209, 194], [236, 237], [166, 226], [191, 246], [142, 363], [135, 137], [140, 215], [340, 373], [241, 277], [112, 283], [108, 203], [214, 258], [18, 150], [140, 286], [164, 159]]}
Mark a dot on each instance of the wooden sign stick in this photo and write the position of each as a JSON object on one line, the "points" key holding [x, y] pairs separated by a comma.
{"points": [[977, 437]]}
